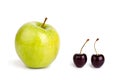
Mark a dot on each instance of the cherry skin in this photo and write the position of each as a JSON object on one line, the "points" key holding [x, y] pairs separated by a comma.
{"points": [[97, 60], [80, 60]]}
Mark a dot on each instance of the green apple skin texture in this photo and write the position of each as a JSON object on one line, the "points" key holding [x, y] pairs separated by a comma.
{"points": [[36, 46]]}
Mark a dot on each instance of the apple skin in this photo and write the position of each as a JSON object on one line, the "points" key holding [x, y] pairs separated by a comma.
{"points": [[36, 46]]}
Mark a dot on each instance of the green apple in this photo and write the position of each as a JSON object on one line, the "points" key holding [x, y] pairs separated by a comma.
{"points": [[37, 44]]}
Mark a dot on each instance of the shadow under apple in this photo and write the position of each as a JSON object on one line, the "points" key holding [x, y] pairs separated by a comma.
{"points": [[19, 64]]}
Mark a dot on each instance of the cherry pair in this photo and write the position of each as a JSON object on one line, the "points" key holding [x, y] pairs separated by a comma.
{"points": [[80, 59]]}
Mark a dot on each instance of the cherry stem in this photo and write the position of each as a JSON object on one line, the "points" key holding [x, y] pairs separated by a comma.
{"points": [[44, 23], [95, 47], [83, 46]]}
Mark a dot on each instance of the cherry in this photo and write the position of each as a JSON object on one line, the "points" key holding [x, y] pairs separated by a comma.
{"points": [[80, 59], [97, 59]]}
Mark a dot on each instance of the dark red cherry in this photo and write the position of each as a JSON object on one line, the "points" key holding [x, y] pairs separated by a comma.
{"points": [[80, 60], [97, 60]]}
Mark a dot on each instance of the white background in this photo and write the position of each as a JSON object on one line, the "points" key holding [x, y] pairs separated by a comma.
{"points": [[75, 21]]}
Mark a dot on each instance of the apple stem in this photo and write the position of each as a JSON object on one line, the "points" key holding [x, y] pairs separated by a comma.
{"points": [[44, 23], [95, 47], [83, 46]]}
